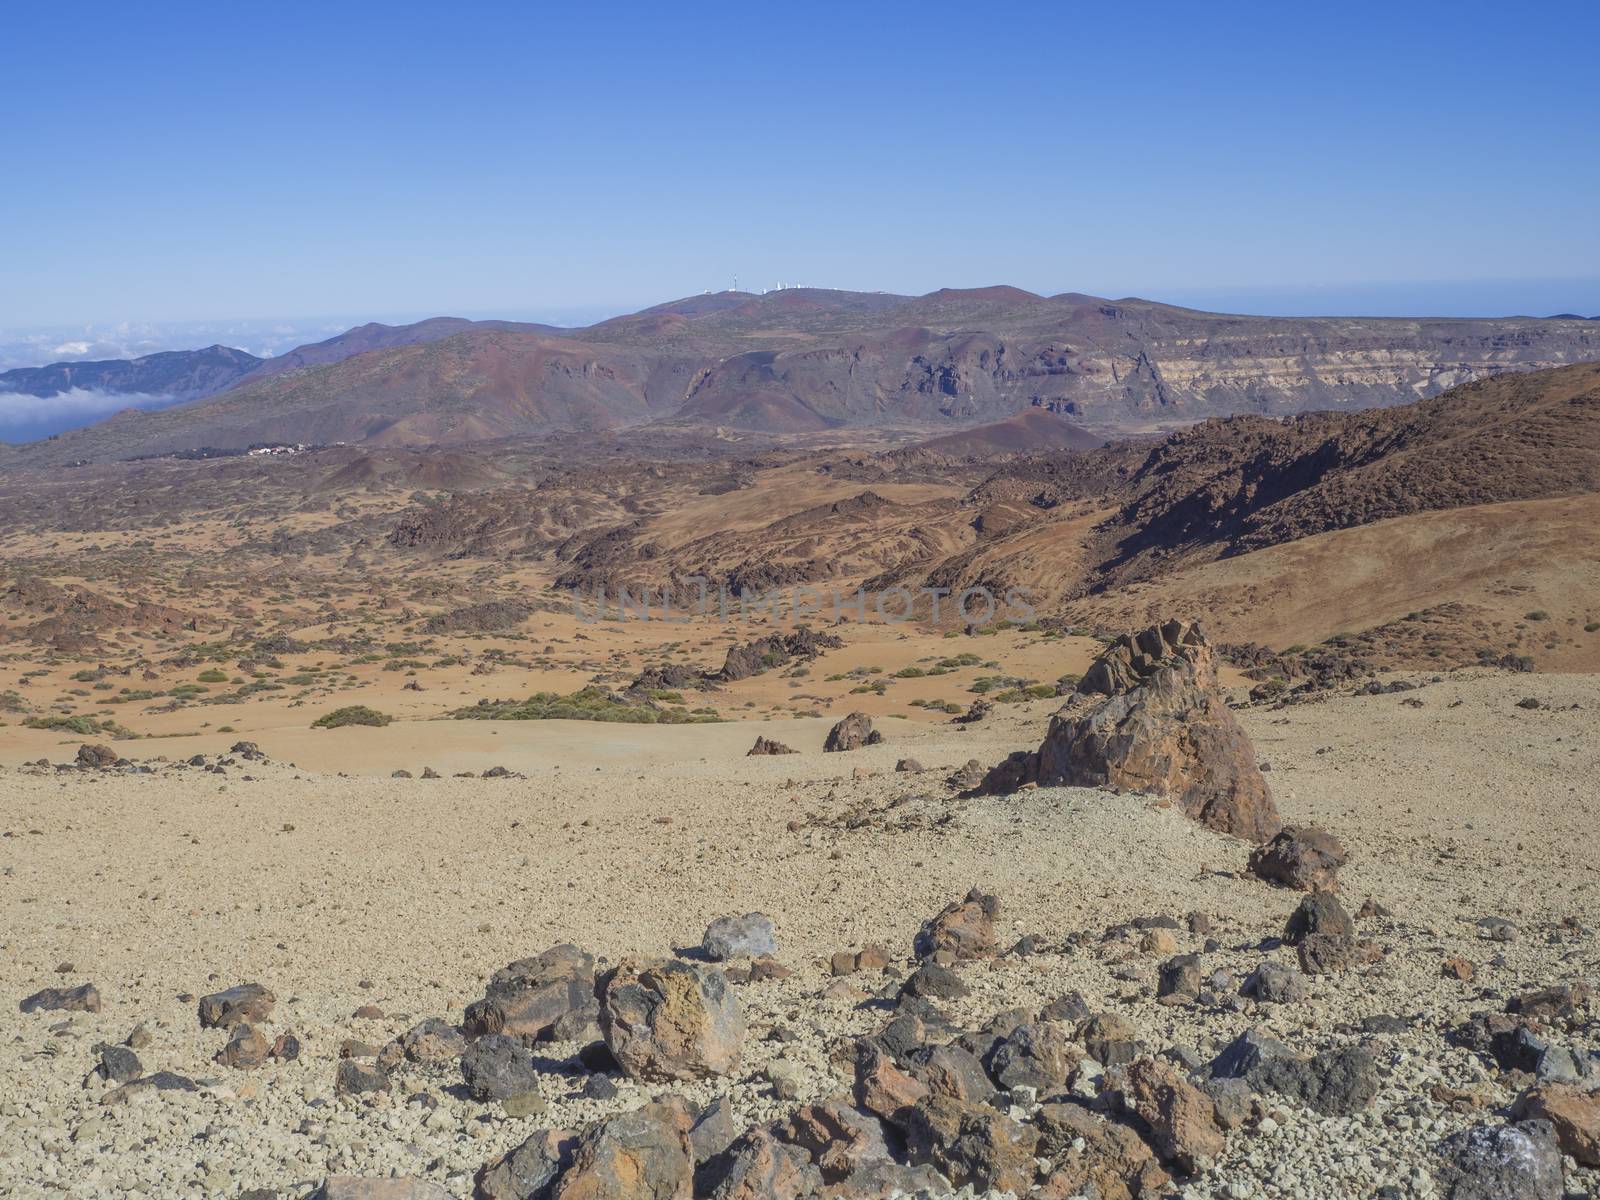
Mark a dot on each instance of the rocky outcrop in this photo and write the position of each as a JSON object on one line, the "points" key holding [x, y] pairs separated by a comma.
{"points": [[1149, 716], [852, 733]]}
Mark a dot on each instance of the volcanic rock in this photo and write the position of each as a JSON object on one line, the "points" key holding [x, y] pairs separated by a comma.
{"points": [[1180, 1116], [1573, 1112], [248, 1002], [852, 733], [496, 1067], [1501, 1162], [528, 997], [962, 930], [749, 936], [1302, 857], [640, 1155], [758, 1166], [670, 1020], [1168, 731], [529, 1169], [972, 1144], [83, 998]]}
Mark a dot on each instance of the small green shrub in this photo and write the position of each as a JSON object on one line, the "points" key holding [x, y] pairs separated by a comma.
{"points": [[353, 714]]}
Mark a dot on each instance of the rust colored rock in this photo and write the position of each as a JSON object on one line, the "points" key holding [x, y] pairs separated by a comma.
{"points": [[963, 930], [1095, 1157], [1302, 857], [1456, 967], [1165, 728], [852, 733], [881, 1087], [839, 1139], [670, 1020], [640, 1155], [1182, 1118], [96, 756], [848, 962], [1551, 1003], [765, 746], [1575, 1114]]}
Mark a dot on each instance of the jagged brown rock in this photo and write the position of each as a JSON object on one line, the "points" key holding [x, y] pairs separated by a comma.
{"points": [[1165, 729], [528, 997], [852, 733], [962, 930], [1181, 1118], [243, 1002], [1302, 857]]}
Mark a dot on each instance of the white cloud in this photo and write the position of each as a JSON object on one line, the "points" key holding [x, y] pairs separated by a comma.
{"points": [[27, 418], [71, 349]]}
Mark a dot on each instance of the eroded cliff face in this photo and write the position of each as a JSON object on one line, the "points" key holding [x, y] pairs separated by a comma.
{"points": [[1128, 365]]}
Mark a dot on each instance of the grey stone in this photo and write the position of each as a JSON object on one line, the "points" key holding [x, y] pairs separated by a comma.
{"points": [[749, 936], [119, 1063], [1274, 983], [497, 1067], [529, 1171], [1501, 1162]]}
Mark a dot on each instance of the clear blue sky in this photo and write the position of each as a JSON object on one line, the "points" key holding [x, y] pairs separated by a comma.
{"points": [[194, 162]]}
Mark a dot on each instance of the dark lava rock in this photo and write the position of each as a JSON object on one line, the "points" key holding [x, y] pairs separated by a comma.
{"points": [[496, 1066]]}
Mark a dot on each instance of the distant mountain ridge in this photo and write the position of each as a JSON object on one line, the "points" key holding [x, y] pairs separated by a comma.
{"points": [[807, 360], [179, 374]]}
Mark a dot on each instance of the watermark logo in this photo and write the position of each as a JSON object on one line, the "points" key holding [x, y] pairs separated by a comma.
{"points": [[974, 605]]}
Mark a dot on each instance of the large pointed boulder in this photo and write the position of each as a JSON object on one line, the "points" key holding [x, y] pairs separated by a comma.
{"points": [[1149, 716]]}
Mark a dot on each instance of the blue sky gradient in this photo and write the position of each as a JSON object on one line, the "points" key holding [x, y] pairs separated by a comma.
{"points": [[186, 162]]}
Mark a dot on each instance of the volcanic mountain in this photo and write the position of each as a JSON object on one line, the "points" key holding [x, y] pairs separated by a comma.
{"points": [[808, 360]]}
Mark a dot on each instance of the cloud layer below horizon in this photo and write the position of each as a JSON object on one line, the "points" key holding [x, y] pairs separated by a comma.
{"points": [[25, 418]]}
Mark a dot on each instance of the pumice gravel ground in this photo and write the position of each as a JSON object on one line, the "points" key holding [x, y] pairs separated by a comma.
{"points": [[405, 895]]}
